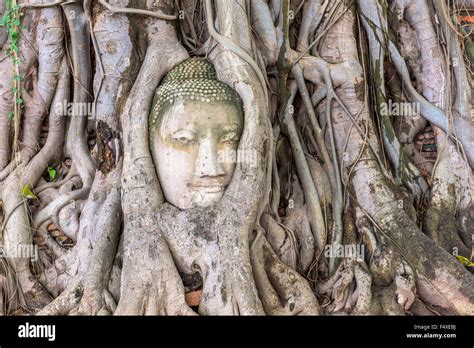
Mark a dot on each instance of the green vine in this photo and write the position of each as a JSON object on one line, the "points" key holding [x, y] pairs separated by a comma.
{"points": [[11, 20]]}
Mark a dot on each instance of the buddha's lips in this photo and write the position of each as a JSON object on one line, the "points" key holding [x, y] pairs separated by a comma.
{"points": [[209, 188]]}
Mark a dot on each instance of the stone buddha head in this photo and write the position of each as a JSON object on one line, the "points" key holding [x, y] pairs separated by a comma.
{"points": [[195, 126]]}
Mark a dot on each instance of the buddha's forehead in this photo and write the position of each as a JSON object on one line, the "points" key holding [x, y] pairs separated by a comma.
{"points": [[199, 116]]}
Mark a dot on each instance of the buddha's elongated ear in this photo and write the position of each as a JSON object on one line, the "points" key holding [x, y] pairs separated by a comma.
{"points": [[236, 67]]}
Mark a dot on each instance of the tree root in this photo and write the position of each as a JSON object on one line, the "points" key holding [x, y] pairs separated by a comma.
{"points": [[349, 288], [282, 290]]}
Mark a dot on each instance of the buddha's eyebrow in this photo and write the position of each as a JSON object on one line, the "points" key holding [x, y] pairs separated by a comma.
{"points": [[188, 126], [186, 129], [167, 129]]}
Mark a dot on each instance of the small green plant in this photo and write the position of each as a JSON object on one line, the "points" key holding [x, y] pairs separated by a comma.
{"points": [[465, 261], [27, 193], [52, 173], [11, 21]]}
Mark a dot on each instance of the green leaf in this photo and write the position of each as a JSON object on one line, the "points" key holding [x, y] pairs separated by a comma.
{"points": [[27, 193], [465, 261], [10, 115], [13, 48], [52, 173], [4, 21]]}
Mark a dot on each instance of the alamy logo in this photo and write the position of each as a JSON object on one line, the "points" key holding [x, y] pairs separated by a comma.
{"points": [[356, 251], [37, 331], [400, 109], [74, 109]]}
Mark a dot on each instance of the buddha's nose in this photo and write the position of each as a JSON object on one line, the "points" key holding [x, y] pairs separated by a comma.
{"points": [[207, 162]]}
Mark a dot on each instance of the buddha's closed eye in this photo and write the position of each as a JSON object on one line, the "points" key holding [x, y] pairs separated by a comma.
{"points": [[184, 137], [229, 138]]}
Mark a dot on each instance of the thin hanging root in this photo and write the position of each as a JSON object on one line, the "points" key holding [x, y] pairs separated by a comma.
{"points": [[323, 32], [319, 94], [10, 295], [406, 171], [114, 9], [462, 100], [192, 42], [231, 46], [312, 15], [316, 220], [462, 132], [318, 64], [16, 90], [49, 4], [282, 240], [331, 163], [265, 30], [98, 57], [76, 137]]}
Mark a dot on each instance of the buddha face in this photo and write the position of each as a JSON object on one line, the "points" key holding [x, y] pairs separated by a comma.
{"points": [[189, 147]]}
